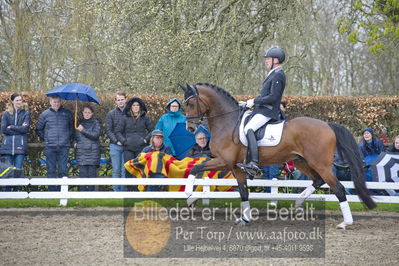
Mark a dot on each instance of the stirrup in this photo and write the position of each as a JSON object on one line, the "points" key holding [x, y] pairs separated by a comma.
{"points": [[251, 169]]}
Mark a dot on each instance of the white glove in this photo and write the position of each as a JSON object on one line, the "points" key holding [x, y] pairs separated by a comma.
{"points": [[250, 103], [242, 104]]}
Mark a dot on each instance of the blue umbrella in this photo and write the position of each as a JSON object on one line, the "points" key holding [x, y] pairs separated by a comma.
{"points": [[77, 92], [182, 139]]}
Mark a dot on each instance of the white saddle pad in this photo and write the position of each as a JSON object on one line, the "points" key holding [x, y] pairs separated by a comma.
{"points": [[272, 135]]}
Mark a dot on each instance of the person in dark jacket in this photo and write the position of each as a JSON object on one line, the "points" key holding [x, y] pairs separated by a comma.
{"points": [[266, 105], [341, 169], [55, 128], [370, 147], [116, 147], [157, 144], [201, 147], [88, 145], [15, 127], [134, 129], [370, 144], [395, 145]]}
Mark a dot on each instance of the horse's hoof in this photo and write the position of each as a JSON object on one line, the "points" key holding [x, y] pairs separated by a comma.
{"points": [[242, 222], [191, 202], [343, 226]]}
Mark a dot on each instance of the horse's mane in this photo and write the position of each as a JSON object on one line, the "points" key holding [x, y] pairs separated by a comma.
{"points": [[220, 91]]}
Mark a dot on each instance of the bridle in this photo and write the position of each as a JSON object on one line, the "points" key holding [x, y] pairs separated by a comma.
{"points": [[202, 115]]}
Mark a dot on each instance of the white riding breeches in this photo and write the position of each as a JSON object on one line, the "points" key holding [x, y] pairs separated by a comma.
{"points": [[256, 122]]}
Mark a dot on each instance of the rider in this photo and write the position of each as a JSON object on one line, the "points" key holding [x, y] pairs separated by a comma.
{"points": [[266, 105]]}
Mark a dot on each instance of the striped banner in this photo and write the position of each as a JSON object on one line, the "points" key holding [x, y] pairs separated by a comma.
{"points": [[161, 163]]}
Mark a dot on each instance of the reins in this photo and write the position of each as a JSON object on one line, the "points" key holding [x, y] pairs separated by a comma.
{"points": [[202, 116]]}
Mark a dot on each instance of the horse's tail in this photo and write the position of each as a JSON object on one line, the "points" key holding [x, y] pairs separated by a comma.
{"points": [[347, 145]]}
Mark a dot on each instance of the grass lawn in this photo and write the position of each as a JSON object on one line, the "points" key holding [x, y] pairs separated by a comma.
{"points": [[82, 203]]}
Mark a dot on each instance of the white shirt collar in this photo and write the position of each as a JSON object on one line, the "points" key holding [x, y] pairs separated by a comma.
{"points": [[271, 71]]}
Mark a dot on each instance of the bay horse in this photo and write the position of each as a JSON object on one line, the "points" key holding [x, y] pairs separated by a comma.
{"points": [[309, 142]]}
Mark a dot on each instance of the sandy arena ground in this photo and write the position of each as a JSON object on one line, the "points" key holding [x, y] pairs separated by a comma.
{"points": [[71, 236]]}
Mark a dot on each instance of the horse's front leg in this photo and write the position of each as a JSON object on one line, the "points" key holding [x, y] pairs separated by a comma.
{"points": [[246, 217], [215, 164], [218, 165]]}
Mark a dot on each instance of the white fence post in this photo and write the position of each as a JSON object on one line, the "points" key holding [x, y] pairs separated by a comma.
{"points": [[206, 189], [273, 191], [64, 188], [189, 185]]}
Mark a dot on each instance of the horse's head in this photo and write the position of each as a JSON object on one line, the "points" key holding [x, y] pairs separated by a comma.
{"points": [[196, 108]]}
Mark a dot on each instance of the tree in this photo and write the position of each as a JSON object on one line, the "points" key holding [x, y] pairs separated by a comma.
{"points": [[148, 46], [374, 23], [323, 62], [15, 18], [186, 41]]}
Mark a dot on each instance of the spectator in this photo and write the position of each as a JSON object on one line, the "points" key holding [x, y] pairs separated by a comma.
{"points": [[168, 121], [55, 127], [157, 144], [15, 127], [395, 145], [88, 145], [370, 147], [201, 147], [269, 172], [383, 134], [294, 174], [134, 129], [115, 146], [341, 169]]}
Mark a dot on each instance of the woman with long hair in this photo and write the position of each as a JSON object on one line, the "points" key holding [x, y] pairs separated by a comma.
{"points": [[134, 129], [15, 127], [395, 145]]}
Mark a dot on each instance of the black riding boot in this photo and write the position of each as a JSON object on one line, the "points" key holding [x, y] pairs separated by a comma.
{"points": [[251, 166]]}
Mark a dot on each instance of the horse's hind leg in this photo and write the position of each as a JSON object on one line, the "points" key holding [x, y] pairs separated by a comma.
{"points": [[339, 191], [334, 184], [303, 166]]}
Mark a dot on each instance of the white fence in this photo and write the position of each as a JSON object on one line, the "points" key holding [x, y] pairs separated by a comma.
{"points": [[65, 182]]}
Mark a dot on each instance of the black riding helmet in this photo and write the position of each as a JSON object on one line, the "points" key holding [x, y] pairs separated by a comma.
{"points": [[276, 52]]}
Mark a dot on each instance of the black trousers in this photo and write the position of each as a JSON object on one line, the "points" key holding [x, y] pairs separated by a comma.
{"points": [[87, 171]]}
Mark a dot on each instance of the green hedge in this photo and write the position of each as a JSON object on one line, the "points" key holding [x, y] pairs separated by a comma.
{"points": [[354, 112]]}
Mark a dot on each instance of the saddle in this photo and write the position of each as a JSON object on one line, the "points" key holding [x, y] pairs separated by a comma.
{"points": [[267, 135]]}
